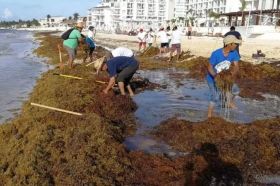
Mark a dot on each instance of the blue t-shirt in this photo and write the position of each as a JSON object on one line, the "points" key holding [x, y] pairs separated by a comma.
{"points": [[90, 42], [117, 64], [221, 62]]}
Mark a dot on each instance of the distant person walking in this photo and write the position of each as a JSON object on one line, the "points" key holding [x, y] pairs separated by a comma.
{"points": [[163, 40], [168, 32], [189, 31], [71, 43], [151, 37], [176, 42], [237, 35], [142, 39], [90, 41]]}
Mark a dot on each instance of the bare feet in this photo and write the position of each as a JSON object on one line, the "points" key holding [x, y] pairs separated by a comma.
{"points": [[232, 105]]}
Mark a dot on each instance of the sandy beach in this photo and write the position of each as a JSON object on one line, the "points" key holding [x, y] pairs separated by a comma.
{"points": [[203, 46]]}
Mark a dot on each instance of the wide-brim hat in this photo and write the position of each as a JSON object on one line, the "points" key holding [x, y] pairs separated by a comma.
{"points": [[231, 39], [80, 25], [97, 64]]}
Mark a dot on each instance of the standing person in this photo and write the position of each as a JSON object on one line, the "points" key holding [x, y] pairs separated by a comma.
{"points": [[237, 35], [151, 37], [90, 41], [176, 42], [168, 32], [71, 43], [163, 40], [189, 31], [120, 69], [142, 39], [220, 60], [120, 51]]}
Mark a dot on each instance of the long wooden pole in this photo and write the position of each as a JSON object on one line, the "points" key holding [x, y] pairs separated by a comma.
{"points": [[57, 109]]}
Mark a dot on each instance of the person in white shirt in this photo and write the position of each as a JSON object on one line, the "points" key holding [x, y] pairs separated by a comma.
{"points": [[120, 51], [168, 32], [142, 39], [90, 41], [163, 40], [151, 37], [176, 42]]}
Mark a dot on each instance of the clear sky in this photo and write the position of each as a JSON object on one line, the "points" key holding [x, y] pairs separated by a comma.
{"points": [[13, 10]]}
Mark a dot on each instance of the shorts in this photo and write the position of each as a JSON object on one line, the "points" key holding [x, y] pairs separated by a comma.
{"points": [[214, 93], [176, 47], [71, 52], [150, 44], [162, 45], [189, 33], [126, 74], [142, 43]]}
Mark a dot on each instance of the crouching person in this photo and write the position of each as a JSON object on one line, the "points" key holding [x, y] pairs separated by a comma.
{"points": [[120, 69]]}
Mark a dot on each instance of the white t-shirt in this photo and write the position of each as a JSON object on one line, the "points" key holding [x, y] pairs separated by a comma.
{"points": [[150, 38], [142, 36], [169, 32], [163, 36], [122, 51], [176, 36], [90, 34]]}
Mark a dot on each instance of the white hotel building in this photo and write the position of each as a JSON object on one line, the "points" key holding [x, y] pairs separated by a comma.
{"points": [[130, 14], [127, 14]]}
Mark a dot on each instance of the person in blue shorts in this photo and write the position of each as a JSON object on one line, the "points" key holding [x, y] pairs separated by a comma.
{"points": [[221, 59], [120, 69]]}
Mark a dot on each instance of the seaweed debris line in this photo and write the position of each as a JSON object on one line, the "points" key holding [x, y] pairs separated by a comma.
{"points": [[46, 147]]}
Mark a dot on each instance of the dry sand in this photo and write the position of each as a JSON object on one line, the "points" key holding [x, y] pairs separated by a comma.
{"points": [[204, 45]]}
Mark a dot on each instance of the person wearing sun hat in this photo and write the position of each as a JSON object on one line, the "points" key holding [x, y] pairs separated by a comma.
{"points": [[121, 69], [221, 59], [71, 43]]}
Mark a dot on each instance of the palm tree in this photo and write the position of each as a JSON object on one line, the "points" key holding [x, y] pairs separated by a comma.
{"points": [[167, 22], [207, 11], [214, 15], [191, 20], [181, 19], [48, 17], [70, 17], [173, 21], [187, 21], [222, 20], [243, 6], [76, 15]]}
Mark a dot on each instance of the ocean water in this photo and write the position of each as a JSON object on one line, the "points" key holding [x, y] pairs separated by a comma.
{"points": [[19, 71]]}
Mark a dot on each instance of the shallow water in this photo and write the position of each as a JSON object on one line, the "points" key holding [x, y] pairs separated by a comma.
{"points": [[188, 101], [19, 71]]}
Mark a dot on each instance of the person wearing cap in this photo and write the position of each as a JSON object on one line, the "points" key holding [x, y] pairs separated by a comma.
{"points": [[151, 37], [120, 51], [221, 59], [163, 40], [71, 43], [237, 35], [176, 42], [142, 39], [90, 41], [121, 69]]}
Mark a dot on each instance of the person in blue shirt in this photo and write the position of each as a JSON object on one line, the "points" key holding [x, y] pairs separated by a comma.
{"points": [[220, 60], [120, 69], [237, 35], [90, 41]]}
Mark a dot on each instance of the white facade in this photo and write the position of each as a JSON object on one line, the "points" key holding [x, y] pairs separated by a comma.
{"points": [[53, 21], [131, 14], [200, 9]]}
